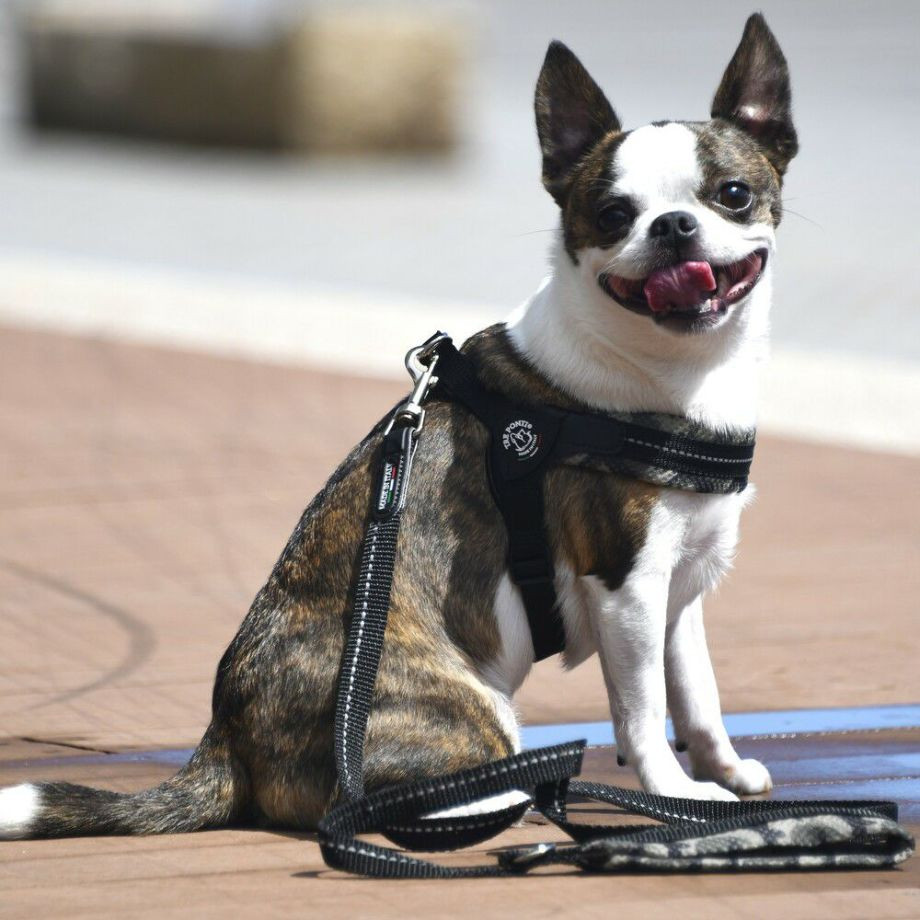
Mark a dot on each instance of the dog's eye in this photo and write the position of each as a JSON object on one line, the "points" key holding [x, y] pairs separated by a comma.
{"points": [[614, 218], [735, 196]]}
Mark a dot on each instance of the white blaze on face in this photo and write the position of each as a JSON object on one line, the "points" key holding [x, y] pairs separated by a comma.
{"points": [[658, 169], [658, 163]]}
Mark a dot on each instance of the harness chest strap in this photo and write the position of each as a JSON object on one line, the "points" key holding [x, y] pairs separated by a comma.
{"points": [[526, 440]]}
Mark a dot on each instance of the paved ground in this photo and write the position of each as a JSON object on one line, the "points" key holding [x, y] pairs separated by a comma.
{"points": [[256, 873], [144, 495]]}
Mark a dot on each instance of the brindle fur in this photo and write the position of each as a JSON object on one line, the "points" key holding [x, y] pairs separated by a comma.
{"points": [[727, 153], [432, 712], [755, 94]]}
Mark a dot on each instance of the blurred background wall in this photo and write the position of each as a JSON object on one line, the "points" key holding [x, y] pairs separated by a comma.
{"points": [[327, 181]]}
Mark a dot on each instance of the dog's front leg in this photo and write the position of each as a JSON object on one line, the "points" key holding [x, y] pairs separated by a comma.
{"points": [[630, 624], [693, 699]]}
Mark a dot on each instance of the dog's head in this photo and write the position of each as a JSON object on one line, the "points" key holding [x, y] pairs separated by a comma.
{"points": [[673, 222]]}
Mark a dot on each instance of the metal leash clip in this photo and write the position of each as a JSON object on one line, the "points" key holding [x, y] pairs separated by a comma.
{"points": [[420, 363]]}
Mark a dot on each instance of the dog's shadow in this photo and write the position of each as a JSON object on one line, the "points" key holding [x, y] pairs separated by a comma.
{"points": [[309, 837]]}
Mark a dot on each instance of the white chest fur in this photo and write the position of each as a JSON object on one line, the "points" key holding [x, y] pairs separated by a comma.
{"points": [[690, 544], [691, 540]]}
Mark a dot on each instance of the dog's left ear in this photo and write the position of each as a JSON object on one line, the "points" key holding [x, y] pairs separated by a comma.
{"points": [[755, 94], [573, 114]]}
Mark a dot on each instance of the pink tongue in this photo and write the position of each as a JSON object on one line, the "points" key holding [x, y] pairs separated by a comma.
{"points": [[682, 285]]}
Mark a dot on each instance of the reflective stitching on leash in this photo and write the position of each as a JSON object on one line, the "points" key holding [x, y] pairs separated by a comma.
{"points": [[442, 828], [354, 661], [362, 852]]}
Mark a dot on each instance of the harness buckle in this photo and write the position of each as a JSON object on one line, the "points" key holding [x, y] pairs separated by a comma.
{"points": [[419, 359], [420, 363]]}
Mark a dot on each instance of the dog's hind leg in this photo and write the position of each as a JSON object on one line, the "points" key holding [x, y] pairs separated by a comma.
{"points": [[508, 720], [460, 724], [208, 792]]}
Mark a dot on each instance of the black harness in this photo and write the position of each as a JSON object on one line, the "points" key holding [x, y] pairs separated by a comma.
{"points": [[692, 835], [526, 440]]}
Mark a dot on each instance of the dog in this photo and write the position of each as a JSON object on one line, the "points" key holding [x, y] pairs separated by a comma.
{"points": [[657, 301]]}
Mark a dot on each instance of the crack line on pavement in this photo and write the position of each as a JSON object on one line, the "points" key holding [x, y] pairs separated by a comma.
{"points": [[66, 744], [141, 638]]}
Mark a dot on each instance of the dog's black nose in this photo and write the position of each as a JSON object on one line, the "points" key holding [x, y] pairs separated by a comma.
{"points": [[674, 228]]}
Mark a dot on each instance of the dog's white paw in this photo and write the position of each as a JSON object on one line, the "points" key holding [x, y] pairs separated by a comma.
{"points": [[744, 777], [685, 788], [749, 777]]}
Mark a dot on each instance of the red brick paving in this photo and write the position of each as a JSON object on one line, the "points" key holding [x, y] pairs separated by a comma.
{"points": [[144, 494]]}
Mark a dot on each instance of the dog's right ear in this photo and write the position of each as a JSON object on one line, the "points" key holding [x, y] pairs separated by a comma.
{"points": [[573, 114]]}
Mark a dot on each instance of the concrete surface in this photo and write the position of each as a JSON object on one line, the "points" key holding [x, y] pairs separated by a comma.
{"points": [[475, 228], [835, 398]]}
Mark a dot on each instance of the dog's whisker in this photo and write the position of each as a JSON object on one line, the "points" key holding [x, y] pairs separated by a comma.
{"points": [[786, 210], [602, 182]]}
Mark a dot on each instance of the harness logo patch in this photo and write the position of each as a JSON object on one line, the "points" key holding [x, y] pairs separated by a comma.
{"points": [[520, 438]]}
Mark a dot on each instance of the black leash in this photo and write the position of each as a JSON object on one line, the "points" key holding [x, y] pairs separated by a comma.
{"points": [[692, 835]]}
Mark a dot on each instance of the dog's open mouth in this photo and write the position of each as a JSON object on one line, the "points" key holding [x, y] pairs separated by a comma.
{"points": [[688, 295]]}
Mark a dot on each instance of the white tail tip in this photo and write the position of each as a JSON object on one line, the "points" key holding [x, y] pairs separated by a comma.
{"points": [[18, 807]]}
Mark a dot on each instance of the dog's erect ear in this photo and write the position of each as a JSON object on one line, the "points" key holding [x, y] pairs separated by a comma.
{"points": [[572, 116], [755, 95]]}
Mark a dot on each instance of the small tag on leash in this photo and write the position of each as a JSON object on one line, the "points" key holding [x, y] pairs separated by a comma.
{"points": [[394, 471], [388, 478]]}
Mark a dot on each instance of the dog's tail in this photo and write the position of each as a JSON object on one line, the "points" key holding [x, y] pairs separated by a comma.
{"points": [[207, 792]]}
